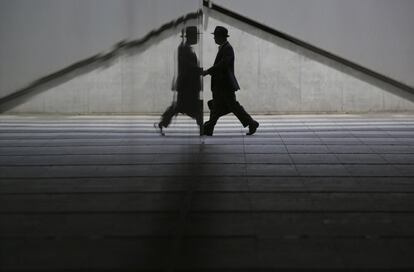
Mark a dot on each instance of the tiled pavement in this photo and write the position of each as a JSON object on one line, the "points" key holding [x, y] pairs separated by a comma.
{"points": [[305, 192]]}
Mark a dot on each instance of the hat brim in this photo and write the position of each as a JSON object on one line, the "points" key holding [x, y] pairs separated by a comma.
{"points": [[220, 34], [195, 34]]}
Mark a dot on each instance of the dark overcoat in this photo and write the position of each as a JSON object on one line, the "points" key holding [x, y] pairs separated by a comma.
{"points": [[188, 84]]}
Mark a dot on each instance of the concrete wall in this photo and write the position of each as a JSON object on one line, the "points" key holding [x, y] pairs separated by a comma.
{"points": [[43, 36], [377, 34], [279, 77], [275, 77], [136, 82]]}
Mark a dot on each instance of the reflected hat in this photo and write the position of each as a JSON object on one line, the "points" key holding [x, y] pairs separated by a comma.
{"points": [[221, 31], [189, 31]]}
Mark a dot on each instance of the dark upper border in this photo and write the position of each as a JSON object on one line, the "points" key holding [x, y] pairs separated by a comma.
{"points": [[308, 46]]}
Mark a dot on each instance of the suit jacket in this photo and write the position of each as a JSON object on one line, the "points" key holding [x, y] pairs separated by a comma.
{"points": [[222, 72]]}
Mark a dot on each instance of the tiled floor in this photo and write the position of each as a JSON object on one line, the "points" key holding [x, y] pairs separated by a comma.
{"points": [[108, 193]]}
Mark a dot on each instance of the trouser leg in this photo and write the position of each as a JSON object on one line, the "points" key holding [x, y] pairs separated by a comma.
{"points": [[198, 116], [216, 111], [234, 106], [223, 103], [196, 113], [168, 115], [209, 125]]}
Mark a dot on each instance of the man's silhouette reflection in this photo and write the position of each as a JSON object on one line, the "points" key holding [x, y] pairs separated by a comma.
{"points": [[187, 84], [224, 85]]}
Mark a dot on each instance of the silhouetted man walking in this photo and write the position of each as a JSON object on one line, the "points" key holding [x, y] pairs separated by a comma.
{"points": [[224, 85], [187, 85]]}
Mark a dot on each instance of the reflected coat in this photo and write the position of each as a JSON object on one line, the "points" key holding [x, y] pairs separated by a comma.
{"points": [[188, 83]]}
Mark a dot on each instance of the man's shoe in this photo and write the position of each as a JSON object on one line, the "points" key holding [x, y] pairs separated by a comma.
{"points": [[158, 128], [210, 104], [207, 131], [252, 128]]}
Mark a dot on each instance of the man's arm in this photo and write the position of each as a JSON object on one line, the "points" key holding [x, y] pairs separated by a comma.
{"points": [[224, 63], [188, 60]]}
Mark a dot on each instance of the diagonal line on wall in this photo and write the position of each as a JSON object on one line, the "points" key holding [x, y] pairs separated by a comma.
{"points": [[86, 65], [310, 47]]}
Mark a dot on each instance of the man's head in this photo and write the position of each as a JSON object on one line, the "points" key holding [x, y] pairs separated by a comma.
{"points": [[220, 35], [191, 34]]}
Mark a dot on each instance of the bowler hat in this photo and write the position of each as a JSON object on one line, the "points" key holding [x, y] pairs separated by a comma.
{"points": [[221, 31]]}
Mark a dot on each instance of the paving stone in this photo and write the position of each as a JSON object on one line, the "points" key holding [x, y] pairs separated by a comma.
{"points": [[326, 225], [405, 170], [377, 141], [271, 170], [302, 141], [360, 159], [295, 253], [373, 170], [102, 202], [84, 253], [339, 202], [276, 184], [306, 149], [393, 149], [268, 158], [89, 224], [340, 141], [322, 170], [314, 158], [374, 253], [216, 253], [220, 202], [223, 224], [350, 149], [399, 158], [265, 149]]}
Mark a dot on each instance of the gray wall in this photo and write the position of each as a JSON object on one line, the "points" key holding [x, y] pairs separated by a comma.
{"points": [[40, 37], [275, 77], [377, 34], [43, 36]]}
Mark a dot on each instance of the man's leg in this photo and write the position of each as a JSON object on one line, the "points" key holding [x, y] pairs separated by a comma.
{"points": [[166, 118], [240, 112], [208, 127], [200, 117], [197, 114], [216, 111], [168, 115]]}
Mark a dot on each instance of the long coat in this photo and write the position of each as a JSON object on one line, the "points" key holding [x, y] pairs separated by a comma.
{"points": [[222, 72], [188, 84]]}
